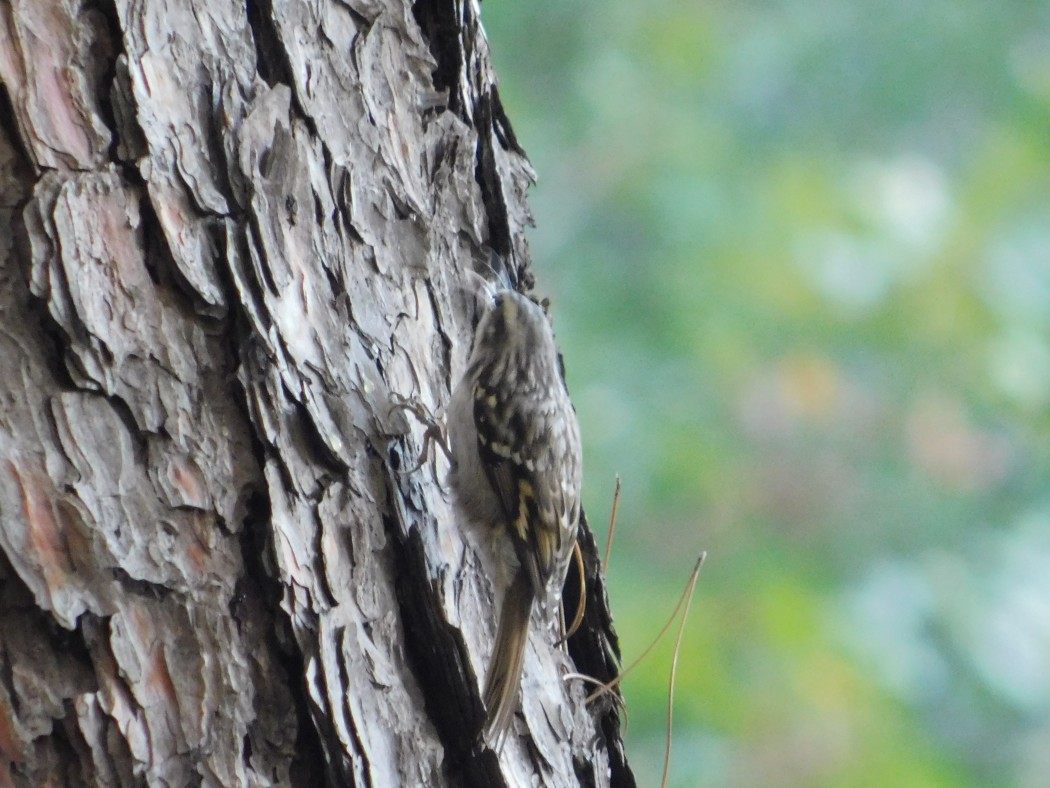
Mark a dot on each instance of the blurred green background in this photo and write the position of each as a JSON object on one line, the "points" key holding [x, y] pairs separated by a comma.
{"points": [[799, 254]]}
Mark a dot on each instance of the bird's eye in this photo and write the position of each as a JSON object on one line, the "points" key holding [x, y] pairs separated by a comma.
{"points": [[497, 301]]}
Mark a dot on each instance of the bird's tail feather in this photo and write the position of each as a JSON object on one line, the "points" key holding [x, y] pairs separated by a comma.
{"points": [[508, 658]]}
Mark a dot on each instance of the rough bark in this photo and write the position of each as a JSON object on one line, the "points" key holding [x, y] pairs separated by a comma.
{"points": [[228, 236]]}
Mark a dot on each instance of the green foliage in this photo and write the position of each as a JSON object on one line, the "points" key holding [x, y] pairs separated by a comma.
{"points": [[799, 255]]}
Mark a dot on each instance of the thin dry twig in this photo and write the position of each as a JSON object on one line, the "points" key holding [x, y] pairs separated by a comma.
{"points": [[581, 608], [612, 525], [684, 599], [688, 597]]}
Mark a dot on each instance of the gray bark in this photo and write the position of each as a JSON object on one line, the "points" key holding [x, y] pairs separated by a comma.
{"points": [[228, 236]]}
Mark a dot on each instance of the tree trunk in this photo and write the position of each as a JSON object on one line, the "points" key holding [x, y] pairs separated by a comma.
{"points": [[235, 234]]}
